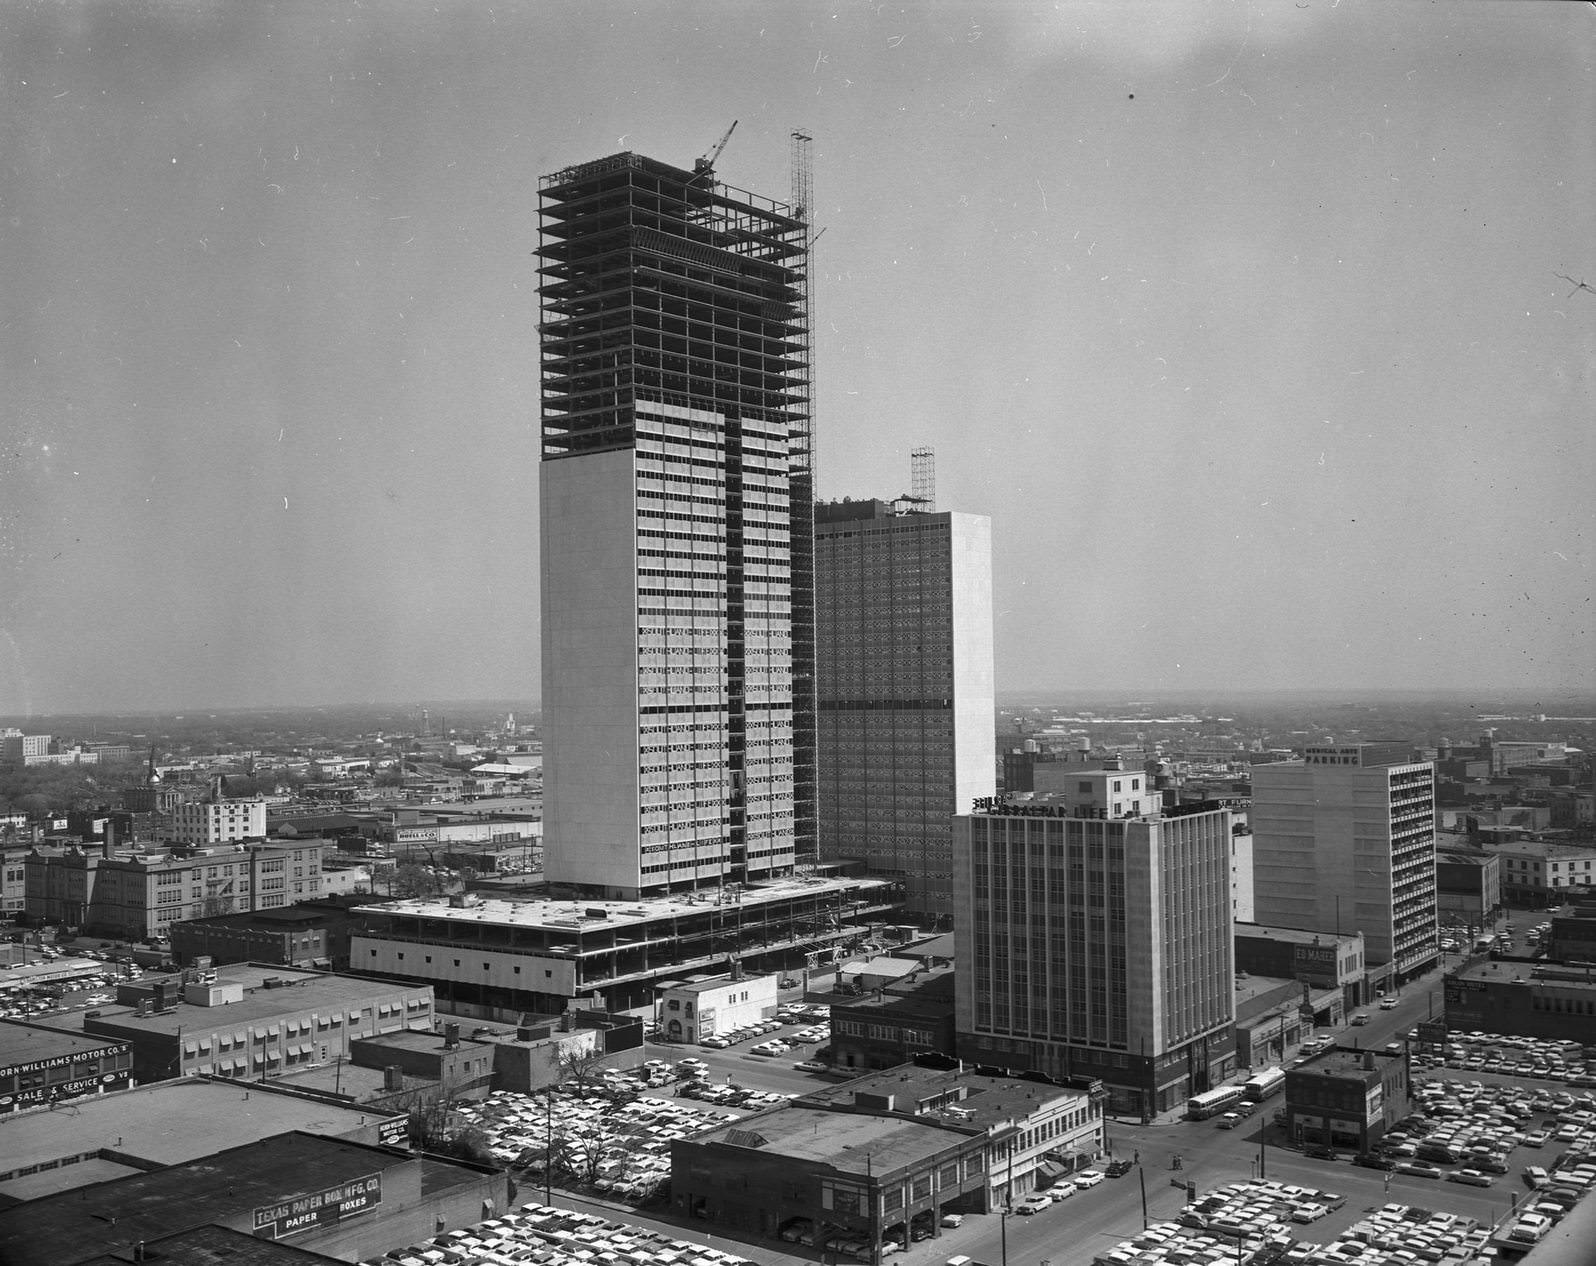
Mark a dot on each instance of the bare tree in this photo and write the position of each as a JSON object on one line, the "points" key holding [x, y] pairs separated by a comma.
{"points": [[581, 1154], [582, 1068]]}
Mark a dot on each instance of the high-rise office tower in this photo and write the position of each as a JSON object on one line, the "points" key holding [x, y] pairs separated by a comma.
{"points": [[904, 697], [1344, 840], [676, 528], [1093, 935]]}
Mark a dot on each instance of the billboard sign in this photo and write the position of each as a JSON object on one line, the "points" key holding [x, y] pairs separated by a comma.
{"points": [[318, 1208]]}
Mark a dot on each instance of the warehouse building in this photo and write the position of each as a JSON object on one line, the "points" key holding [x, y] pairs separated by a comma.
{"points": [[346, 1200], [41, 1066], [170, 1123], [250, 1021]]}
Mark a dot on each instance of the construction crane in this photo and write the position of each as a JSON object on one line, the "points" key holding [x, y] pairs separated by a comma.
{"points": [[708, 161]]}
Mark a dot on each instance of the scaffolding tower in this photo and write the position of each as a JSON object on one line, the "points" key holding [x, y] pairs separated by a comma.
{"points": [[923, 478]]}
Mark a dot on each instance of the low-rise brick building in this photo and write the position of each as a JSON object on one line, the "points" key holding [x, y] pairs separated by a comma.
{"points": [[253, 1021], [888, 1154], [1347, 1098]]}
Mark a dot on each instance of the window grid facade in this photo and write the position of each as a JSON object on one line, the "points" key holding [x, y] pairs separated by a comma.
{"points": [[676, 502]]}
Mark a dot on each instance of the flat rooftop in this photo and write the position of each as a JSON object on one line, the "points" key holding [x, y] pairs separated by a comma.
{"points": [[1531, 972], [420, 1040], [714, 982], [168, 1123], [47, 1183], [44, 970], [1293, 936], [930, 995], [852, 1142], [23, 1043], [1340, 1062], [566, 915], [299, 991], [1555, 850], [207, 1245], [880, 965], [73, 1225], [989, 1101]]}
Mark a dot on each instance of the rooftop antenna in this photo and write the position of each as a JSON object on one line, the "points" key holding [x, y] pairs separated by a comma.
{"points": [[923, 478]]}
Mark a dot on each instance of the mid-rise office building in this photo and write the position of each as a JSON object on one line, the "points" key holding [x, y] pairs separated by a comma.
{"points": [[1344, 841], [677, 530], [1094, 939], [217, 821], [903, 633], [143, 895]]}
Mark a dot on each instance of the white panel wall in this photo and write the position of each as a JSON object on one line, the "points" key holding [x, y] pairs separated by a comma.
{"points": [[590, 717]]}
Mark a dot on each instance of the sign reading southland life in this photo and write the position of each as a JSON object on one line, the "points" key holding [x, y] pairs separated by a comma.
{"points": [[318, 1208]]}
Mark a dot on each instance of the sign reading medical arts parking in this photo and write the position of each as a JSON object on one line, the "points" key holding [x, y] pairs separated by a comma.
{"points": [[318, 1208]]}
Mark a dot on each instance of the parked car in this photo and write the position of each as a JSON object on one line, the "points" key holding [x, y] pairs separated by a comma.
{"points": [[1088, 1178], [1119, 1168], [1531, 1227], [1372, 1160], [1060, 1191], [952, 1219], [1418, 1168], [1537, 1177], [1033, 1204], [1388, 1003]]}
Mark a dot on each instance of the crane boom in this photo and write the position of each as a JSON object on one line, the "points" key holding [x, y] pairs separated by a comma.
{"points": [[708, 161]]}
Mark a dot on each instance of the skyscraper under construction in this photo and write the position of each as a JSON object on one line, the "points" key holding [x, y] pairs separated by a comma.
{"points": [[677, 529]]}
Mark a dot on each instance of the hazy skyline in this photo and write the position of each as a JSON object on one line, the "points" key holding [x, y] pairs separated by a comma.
{"points": [[1241, 321]]}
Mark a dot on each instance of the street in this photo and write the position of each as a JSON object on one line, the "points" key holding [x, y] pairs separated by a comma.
{"points": [[1092, 1221]]}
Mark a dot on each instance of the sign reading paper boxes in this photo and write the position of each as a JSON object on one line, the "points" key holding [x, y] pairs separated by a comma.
{"points": [[318, 1208]]}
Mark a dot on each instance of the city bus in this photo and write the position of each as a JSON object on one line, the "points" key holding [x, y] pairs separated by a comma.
{"points": [[1262, 1084], [1212, 1102]]}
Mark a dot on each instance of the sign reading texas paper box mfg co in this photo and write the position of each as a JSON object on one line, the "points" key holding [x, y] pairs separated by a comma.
{"points": [[319, 1208]]}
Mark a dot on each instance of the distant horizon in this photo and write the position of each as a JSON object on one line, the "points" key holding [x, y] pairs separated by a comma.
{"points": [[1037, 696]]}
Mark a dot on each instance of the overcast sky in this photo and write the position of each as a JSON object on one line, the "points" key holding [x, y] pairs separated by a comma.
{"points": [[1240, 320]]}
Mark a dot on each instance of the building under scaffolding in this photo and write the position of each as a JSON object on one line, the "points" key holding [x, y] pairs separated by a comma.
{"points": [[676, 504]]}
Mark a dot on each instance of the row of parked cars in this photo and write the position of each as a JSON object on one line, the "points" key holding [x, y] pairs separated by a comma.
{"points": [[1566, 1061], [816, 1019]]}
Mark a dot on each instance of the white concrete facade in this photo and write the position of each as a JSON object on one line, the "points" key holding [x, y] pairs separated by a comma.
{"points": [[1342, 847], [668, 742], [218, 822], [692, 1012]]}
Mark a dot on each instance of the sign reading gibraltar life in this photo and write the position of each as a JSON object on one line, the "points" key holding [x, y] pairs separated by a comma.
{"points": [[332, 1204]]}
